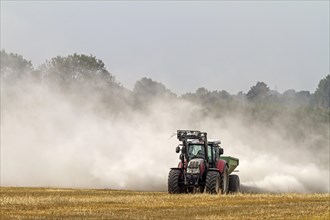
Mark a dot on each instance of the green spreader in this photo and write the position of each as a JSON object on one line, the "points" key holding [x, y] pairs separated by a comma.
{"points": [[231, 161]]}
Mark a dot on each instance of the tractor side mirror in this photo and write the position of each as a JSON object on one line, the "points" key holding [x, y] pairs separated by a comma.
{"points": [[177, 149], [220, 151]]}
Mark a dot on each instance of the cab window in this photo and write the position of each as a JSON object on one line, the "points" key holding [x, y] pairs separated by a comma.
{"points": [[209, 153], [214, 151], [196, 151]]}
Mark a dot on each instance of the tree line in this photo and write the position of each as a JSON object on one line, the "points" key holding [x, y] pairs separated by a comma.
{"points": [[78, 69]]}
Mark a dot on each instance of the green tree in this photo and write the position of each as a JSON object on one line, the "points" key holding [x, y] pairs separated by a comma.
{"points": [[322, 93], [14, 67], [258, 92], [76, 69], [148, 88]]}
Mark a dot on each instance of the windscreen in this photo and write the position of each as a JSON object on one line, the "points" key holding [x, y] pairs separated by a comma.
{"points": [[196, 151]]}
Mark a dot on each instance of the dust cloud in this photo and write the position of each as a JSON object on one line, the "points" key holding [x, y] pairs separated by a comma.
{"points": [[50, 138]]}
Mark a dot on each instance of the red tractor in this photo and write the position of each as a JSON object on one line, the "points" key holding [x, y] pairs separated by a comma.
{"points": [[201, 167]]}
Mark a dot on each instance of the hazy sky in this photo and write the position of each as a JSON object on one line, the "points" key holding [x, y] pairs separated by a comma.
{"points": [[219, 45]]}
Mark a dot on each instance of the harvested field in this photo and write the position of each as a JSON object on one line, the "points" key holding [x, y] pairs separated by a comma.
{"points": [[53, 203]]}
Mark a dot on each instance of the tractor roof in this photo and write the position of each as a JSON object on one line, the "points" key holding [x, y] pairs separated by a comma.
{"points": [[214, 141]]}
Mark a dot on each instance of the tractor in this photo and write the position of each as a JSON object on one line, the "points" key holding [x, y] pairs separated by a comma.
{"points": [[202, 168]]}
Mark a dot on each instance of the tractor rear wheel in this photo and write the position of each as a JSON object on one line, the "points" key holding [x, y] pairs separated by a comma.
{"points": [[173, 182], [213, 182], [234, 184], [224, 181]]}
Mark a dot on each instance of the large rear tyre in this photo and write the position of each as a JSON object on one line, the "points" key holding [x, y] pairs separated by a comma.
{"points": [[234, 184], [224, 181], [212, 184], [173, 182]]}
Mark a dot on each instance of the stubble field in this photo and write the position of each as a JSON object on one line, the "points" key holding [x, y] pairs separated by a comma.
{"points": [[52, 203]]}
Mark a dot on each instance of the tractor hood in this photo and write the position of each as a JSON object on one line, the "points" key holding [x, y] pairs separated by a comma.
{"points": [[195, 166]]}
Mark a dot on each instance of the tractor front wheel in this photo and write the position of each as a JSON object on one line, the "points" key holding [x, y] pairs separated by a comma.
{"points": [[173, 182]]}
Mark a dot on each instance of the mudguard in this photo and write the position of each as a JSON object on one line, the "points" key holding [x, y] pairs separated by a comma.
{"points": [[221, 164]]}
